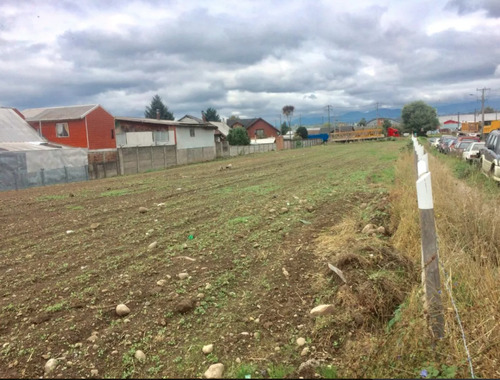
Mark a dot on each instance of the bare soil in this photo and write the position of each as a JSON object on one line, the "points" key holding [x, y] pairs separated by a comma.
{"points": [[255, 240]]}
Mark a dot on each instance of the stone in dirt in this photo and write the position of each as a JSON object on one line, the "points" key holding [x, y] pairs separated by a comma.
{"points": [[310, 364], [381, 230], [215, 371], [185, 306], [208, 349], [153, 245], [161, 282], [50, 366], [301, 342], [122, 310], [143, 210], [305, 351], [139, 355], [183, 275], [323, 310], [369, 229], [94, 372], [95, 225]]}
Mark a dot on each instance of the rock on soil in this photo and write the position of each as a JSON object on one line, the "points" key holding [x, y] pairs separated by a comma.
{"points": [[310, 364], [182, 276], [143, 210], [215, 371], [323, 310], [122, 310], [301, 342], [369, 229], [153, 245], [50, 366], [139, 355], [185, 305], [208, 349]]}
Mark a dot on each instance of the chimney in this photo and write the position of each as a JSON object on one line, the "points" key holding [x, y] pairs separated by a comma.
{"points": [[157, 114]]}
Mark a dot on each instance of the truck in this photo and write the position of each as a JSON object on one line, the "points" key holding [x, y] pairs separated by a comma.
{"points": [[358, 135], [392, 132]]}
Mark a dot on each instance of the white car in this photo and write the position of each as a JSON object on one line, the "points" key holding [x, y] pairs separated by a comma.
{"points": [[472, 152]]}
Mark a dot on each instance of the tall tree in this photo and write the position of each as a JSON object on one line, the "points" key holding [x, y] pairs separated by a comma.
{"points": [[211, 114], [488, 109], [362, 122], [288, 112], [157, 104], [418, 117]]}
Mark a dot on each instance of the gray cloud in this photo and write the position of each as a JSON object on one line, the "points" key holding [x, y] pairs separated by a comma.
{"points": [[250, 60]]}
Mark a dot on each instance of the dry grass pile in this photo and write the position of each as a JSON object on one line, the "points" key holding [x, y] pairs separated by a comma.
{"points": [[467, 223], [378, 279]]}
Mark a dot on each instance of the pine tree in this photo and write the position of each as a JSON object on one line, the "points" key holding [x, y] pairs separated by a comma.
{"points": [[157, 104], [211, 114]]}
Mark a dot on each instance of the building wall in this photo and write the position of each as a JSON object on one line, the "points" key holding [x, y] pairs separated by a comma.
{"points": [[77, 133], [132, 133], [269, 130], [202, 138], [101, 129]]}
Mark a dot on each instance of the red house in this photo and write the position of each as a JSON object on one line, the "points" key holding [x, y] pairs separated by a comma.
{"points": [[256, 128], [89, 126]]}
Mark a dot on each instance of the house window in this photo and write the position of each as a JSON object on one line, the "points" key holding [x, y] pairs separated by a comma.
{"points": [[259, 133], [191, 132], [112, 134], [62, 130], [160, 137]]}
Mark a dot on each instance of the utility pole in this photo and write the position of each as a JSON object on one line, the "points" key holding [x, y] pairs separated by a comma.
{"points": [[377, 113], [482, 109], [328, 107], [458, 121]]}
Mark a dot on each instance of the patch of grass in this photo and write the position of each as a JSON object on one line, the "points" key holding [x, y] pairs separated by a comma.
{"points": [[243, 371], [115, 193], [75, 207], [51, 197], [279, 371], [327, 372], [56, 307]]}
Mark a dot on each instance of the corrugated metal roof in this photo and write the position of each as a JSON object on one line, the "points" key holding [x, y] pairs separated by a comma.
{"points": [[23, 146], [222, 127], [58, 113], [166, 122], [13, 128]]}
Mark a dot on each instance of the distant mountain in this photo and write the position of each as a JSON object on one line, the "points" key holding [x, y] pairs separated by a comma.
{"points": [[395, 113]]}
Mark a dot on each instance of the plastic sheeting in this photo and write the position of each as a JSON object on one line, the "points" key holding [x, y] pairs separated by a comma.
{"points": [[29, 168]]}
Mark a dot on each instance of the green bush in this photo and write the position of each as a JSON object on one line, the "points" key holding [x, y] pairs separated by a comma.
{"points": [[302, 132], [238, 136]]}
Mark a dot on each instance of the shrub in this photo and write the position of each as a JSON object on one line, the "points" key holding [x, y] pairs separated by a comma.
{"points": [[302, 132], [238, 136]]}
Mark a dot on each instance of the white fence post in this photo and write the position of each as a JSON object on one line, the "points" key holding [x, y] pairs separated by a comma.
{"points": [[430, 259]]}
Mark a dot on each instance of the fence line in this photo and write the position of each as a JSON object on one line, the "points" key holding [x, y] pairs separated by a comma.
{"points": [[424, 188]]}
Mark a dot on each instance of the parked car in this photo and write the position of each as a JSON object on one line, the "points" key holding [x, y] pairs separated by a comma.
{"points": [[471, 153], [433, 141], [460, 146], [442, 142], [448, 145], [490, 156]]}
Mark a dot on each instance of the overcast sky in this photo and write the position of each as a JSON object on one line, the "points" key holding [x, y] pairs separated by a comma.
{"points": [[248, 58]]}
